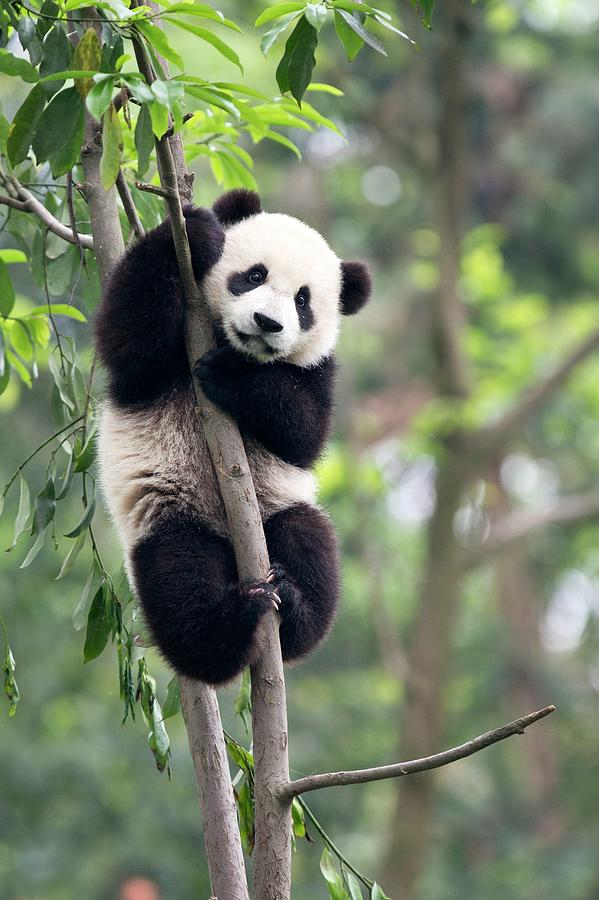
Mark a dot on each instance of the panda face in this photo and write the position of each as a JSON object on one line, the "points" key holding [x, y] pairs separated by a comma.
{"points": [[275, 291]]}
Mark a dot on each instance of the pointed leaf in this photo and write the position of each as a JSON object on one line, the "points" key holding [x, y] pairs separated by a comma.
{"points": [[159, 41], [56, 56], [99, 96], [24, 124], [23, 512], [172, 704], [112, 140], [45, 507], [84, 521], [361, 31], [271, 37], [58, 309], [81, 610], [302, 61], [69, 560], [276, 11], [88, 55], [212, 39], [144, 140], [39, 543], [16, 65], [99, 625], [7, 292], [355, 891]]}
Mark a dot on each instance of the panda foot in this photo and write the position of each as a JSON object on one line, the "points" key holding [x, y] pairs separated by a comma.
{"points": [[263, 593]]}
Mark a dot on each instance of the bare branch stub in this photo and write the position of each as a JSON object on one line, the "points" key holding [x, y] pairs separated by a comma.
{"points": [[413, 766]]}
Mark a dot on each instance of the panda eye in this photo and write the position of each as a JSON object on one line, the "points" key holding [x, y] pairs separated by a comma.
{"points": [[255, 277], [300, 300]]}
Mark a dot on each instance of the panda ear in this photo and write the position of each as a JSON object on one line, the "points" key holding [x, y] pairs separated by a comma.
{"points": [[356, 286], [234, 206]]}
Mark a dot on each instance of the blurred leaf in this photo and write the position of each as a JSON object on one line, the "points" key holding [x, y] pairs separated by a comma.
{"points": [[361, 31], [352, 42], [23, 512], [14, 65], [299, 822], [8, 667], [58, 309], [205, 35], [59, 132], [85, 520], [12, 256], [172, 704], [159, 41], [69, 560], [81, 610], [144, 140], [67, 479], [276, 11], [333, 878], [243, 701], [316, 14], [45, 507], [355, 890], [88, 55], [271, 37], [377, 894], [99, 625], [112, 147], [7, 292], [245, 809], [56, 57], [425, 8], [202, 11], [99, 96], [35, 549], [24, 124]]}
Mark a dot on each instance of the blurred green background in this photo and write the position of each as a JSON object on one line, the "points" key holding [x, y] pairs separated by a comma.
{"points": [[469, 181]]}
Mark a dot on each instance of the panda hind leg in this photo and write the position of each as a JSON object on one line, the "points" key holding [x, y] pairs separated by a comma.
{"points": [[204, 622], [305, 574]]}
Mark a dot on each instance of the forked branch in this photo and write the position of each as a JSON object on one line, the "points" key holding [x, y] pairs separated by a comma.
{"points": [[411, 767], [24, 201]]}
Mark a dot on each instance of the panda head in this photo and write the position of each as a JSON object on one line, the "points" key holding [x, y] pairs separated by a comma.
{"points": [[278, 291]]}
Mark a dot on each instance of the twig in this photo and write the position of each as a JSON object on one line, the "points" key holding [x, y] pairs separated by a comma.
{"points": [[165, 193], [73, 218], [41, 446], [411, 767], [128, 205], [26, 202], [520, 524], [310, 815]]}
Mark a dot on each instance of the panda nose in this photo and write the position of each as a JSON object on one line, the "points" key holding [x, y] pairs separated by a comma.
{"points": [[267, 324]]}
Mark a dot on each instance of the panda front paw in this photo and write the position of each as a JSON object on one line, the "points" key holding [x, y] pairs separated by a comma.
{"points": [[218, 372], [206, 238]]}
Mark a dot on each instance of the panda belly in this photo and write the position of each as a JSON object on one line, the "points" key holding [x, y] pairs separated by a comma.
{"points": [[155, 463]]}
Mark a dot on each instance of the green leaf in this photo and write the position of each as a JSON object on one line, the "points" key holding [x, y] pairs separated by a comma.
{"points": [[99, 97], [35, 549], [59, 132], [212, 39], [4, 382], [58, 309], [243, 701], [167, 92], [85, 455], [161, 739], [351, 42], [159, 117], [99, 625], [377, 894], [313, 115], [23, 512], [56, 58], [284, 141], [202, 11], [325, 88], [69, 560], [276, 11], [144, 140], [138, 87], [425, 8], [333, 878], [7, 291], [85, 520], [14, 65], [112, 141], [172, 704], [65, 485], [316, 14], [355, 891], [359, 29], [272, 36], [88, 55], [295, 69], [24, 124], [81, 610], [299, 822], [45, 507], [8, 667], [26, 31], [9, 255], [159, 41]]}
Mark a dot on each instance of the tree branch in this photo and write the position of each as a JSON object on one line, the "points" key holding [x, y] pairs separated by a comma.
{"points": [[26, 202], [519, 525], [122, 187], [272, 855], [532, 399], [398, 770]]}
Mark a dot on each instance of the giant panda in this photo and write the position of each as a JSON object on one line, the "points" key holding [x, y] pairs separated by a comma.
{"points": [[275, 292]]}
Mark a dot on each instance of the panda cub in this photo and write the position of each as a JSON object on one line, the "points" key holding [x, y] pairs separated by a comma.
{"points": [[275, 292]]}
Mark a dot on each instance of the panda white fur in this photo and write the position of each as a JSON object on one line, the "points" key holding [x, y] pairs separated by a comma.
{"points": [[276, 292]]}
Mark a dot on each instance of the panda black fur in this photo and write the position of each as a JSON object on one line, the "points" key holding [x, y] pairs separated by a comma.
{"points": [[275, 292]]}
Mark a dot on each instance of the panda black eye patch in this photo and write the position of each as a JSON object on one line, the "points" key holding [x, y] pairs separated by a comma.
{"points": [[305, 313], [241, 282]]}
